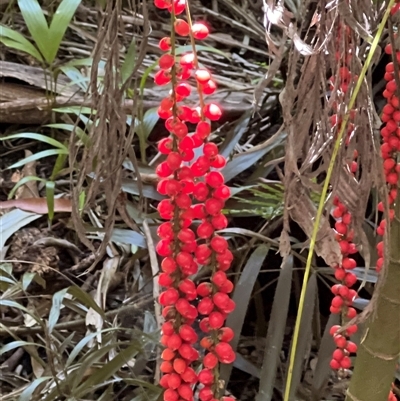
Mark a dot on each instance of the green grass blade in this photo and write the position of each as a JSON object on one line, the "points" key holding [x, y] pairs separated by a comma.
{"points": [[129, 63], [36, 137], [38, 156], [15, 40], [50, 185], [16, 305], [23, 181], [16, 344], [108, 369], [26, 395], [82, 343], [56, 308]]}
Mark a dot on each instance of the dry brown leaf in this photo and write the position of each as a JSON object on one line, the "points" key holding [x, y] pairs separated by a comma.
{"points": [[28, 190]]}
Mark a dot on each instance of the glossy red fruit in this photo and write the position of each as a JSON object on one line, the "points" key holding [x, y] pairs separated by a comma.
{"points": [[181, 27], [200, 31]]}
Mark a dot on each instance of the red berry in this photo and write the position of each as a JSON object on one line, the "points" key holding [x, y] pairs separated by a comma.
{"points": [[225, 352], [206, 377], [200, 31], [170, 395], [334, 364], [202, 76], [166, 61], [351, 347], [183, 89], [338, 354], [210, 360], [219, 244], [212, 112], [189, 375], [181, 27], [162, 77], [345, 363]]}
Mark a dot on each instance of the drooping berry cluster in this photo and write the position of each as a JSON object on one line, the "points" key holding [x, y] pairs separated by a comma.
{"points": [[390, 148], [343, 295], [341, 83], [195, 191]]}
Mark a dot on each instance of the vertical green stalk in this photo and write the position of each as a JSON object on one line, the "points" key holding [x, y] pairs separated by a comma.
{"points": [[379, 350]]}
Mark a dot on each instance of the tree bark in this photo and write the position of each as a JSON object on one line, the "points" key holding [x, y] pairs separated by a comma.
{"points": [[379, 349]]}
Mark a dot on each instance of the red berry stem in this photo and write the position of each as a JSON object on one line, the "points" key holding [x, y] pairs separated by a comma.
{"points": [[195, 190]]}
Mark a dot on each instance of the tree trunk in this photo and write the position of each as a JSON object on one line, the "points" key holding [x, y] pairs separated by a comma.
{"points": [[379, 350]]}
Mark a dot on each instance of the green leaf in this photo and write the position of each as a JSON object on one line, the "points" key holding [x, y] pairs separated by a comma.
{"points": [[76, 77], [144, 127], [5, 267], [58, 166], [86, 299], [12, 221], [145, 75], [17, 41], [276, 332], [150, 119], [50, 185], [36, 137], [28, 277], [13, 304], [129, 63], [16, 344], [37, 25], [82, 343], [55, 310], [109, 369], [38, 156], [26, 395], [48, 39], [59, 24], [23, 181], [241, 296]]}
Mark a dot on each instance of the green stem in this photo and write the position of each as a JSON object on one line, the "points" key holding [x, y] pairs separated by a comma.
{"points": [[379, 349]]}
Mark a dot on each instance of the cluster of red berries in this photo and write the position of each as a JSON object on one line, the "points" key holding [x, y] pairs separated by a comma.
{"points": [[195, 191], [343, 295], [340, 83], [390, 148]]}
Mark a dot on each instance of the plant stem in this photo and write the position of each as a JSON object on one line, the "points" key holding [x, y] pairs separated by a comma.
{"points": [[380, 346]]}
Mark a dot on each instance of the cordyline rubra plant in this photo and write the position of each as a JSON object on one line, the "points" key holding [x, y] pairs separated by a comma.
{"points": [[194, 190]]}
